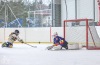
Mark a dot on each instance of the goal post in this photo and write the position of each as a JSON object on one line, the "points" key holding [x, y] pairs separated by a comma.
{"points": [[85, 33]]}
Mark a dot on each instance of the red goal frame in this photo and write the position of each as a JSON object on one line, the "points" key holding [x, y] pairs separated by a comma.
{"points": [[87, 28]]}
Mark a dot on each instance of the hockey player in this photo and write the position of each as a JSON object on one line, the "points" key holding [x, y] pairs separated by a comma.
{"points": [[59, 42], [12, 37]]}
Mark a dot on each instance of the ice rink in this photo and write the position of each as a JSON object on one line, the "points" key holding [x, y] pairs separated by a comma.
{"points": [[22, 54]]}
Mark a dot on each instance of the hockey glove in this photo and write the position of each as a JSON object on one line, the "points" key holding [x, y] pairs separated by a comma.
{"points": [[21, 41]]}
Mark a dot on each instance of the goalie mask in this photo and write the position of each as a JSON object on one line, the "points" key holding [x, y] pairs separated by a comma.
{"points": [[55, 34], [17, 32]]}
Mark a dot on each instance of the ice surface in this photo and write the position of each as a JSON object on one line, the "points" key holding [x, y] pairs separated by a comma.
{"points": [[22, 54]]}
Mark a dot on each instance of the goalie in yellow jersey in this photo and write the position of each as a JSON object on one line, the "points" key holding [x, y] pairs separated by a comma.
{"points": [[12, 37]]}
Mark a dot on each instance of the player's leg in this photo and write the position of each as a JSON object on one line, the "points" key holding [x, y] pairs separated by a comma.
{"points": [[10, 45], [4, 44], [65, 45], [7, 44], [49, 47]]}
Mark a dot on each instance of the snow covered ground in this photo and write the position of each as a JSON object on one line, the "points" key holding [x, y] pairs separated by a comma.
{"points": [[22, 54]]}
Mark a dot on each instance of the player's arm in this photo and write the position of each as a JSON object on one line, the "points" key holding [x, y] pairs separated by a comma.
{"points": [[56, 42], [20, 40]]}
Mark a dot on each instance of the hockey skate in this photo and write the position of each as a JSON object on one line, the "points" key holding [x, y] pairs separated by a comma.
{"points": [[4, 45]]}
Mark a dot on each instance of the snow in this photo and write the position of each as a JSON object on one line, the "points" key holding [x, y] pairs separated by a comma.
{"points": [[22, 54]]}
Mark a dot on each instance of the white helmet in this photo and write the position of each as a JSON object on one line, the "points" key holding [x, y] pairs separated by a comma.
{"points": [[55, 34]]}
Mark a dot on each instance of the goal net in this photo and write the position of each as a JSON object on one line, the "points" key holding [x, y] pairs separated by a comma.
{"points": [[83, 33]]}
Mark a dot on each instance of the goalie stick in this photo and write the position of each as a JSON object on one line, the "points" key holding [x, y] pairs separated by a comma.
{"points": [[31, 45]]}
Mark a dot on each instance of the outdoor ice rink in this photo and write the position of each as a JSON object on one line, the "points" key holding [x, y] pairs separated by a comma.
{"points": [[22, 54]]}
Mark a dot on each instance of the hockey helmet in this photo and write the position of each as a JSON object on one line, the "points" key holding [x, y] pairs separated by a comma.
{"points": [[55, 34], [17, 31]]}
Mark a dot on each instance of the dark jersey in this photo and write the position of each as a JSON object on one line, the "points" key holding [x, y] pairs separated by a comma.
{"points": [[57, 39]]}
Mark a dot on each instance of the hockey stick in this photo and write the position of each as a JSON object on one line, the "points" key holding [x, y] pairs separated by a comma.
{"points": [[30, 45]]}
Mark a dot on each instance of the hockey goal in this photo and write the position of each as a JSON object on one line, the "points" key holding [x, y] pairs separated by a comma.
{"points": [[83, 33]]}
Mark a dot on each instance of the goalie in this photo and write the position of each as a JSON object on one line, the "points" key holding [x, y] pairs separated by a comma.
{"points": [[59, 43], [12, 37]]}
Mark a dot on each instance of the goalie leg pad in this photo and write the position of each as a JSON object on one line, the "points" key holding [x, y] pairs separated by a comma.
{"points": [[49, 47], [57, 47]]}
